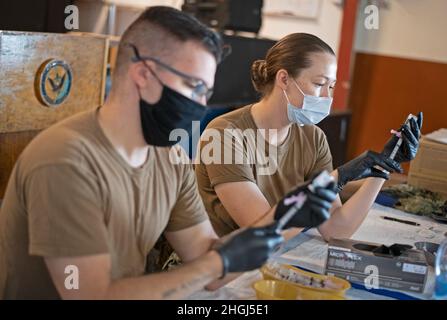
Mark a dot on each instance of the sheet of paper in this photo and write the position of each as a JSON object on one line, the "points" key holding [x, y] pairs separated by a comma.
{"points": [[309, 253], [378, 230]]}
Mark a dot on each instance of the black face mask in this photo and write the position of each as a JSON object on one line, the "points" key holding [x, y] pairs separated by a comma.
{"points": [[172, 111]]}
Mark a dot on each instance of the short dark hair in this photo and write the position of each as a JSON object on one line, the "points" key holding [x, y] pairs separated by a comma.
{"points": [[158, 26], [184, 27], [290, 53]]}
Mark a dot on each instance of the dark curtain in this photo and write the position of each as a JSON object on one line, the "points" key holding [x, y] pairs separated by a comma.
{"points": [[33, 15]]}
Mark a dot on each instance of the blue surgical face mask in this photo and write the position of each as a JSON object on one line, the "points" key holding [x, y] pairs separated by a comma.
{"points": [[314, 109]]}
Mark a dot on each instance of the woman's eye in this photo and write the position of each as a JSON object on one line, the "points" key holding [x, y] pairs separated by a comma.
{"points": [[319, 84]]}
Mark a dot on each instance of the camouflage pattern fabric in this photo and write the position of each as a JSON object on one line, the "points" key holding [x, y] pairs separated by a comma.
{"points": [[162, 257], [418, 201]]}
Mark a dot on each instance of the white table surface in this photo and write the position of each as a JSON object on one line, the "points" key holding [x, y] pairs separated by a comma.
{"points": [[308, 250]]}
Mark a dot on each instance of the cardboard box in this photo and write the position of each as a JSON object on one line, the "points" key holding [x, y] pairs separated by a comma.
{"points": [[429, 169], [353, 260], [429, 183]]}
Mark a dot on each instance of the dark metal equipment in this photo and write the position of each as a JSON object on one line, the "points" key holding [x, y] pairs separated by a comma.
{"points": [[235, 15]]}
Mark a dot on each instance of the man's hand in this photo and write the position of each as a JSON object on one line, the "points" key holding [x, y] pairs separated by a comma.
{"points": [[247, 249], [363, 167], [410, 132], [315, 209]]}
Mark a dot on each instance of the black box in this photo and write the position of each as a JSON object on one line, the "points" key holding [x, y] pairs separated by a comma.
{"points": [[236, 15], [398, 267]]}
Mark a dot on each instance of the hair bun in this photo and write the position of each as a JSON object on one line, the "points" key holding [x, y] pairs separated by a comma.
{"points": [[259, 75]]}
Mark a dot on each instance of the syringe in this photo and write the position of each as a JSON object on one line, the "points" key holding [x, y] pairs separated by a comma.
{"points": [[322, 181], [397, 146]]}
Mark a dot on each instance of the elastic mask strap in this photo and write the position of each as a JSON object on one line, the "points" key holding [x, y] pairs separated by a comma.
{"points": [[153, 73], [155, 76], [285, 94], [296, 84]]}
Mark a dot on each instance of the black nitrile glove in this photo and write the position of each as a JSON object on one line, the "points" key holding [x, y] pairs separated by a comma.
{"points": [[248, 248], [315, 209], [363, 167], [410, 133]]}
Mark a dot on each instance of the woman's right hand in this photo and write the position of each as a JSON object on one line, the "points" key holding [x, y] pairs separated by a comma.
{"points": [[364, 167]]}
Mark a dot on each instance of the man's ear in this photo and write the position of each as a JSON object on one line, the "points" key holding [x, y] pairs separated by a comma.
{"points": [[282, 79], [140, 74]]}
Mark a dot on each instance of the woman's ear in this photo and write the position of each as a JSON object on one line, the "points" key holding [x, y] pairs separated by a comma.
{"points": [[282, 79]]}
